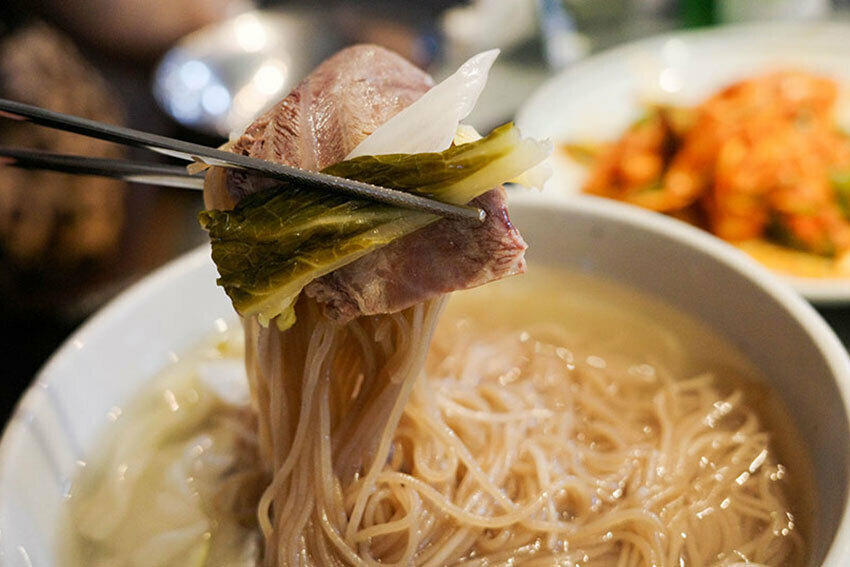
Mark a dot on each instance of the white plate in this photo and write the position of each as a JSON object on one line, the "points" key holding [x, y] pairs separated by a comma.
{"points": [[599, 97]]}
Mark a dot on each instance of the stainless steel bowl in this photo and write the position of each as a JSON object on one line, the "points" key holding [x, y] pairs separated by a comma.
{"points": [[219, 78]]}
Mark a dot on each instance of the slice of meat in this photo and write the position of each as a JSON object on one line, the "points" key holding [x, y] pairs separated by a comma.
{"points": [[443, 257], [344, 100]]}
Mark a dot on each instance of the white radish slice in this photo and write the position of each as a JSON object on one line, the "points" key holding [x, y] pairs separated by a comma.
{"points": [[430, 123]]}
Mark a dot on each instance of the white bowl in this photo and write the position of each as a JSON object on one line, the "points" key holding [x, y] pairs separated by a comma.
{"points": [[598, 98], [117, 351]]}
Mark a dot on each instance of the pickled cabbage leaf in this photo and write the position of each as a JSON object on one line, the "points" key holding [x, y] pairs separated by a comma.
{"points": [[278, 240]]}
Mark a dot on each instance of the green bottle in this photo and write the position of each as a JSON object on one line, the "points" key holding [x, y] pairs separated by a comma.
{"points": [[695, 13]]}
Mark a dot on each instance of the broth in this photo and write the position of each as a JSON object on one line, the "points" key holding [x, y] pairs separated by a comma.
{"points": [[153, 496]]}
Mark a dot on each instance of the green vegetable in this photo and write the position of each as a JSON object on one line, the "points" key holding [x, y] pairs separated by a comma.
{"points": [[778, 230], [841, 184], [276, 241]]}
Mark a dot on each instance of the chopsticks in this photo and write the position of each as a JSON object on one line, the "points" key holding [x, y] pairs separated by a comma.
{"points": [[196, 152], [150, 173]]}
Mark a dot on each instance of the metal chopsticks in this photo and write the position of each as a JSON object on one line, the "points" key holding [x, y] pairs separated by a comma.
{"points": [[151, 173], [213, 156]]}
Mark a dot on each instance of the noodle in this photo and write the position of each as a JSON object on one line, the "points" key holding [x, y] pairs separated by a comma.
{"points": [[510, 444], [329, 402]]}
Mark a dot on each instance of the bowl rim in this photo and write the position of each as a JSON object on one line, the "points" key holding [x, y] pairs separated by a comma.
{"points": [[154, 283], [823, 337]]}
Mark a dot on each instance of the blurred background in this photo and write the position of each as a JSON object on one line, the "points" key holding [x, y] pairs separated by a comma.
{"points": [[200, 69]]}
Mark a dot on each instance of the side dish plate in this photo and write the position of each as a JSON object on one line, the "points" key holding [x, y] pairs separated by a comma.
{"points": [[599, 97]]}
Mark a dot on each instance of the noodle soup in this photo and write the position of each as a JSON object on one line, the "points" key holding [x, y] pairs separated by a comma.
{"points": [[561, 420]]}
